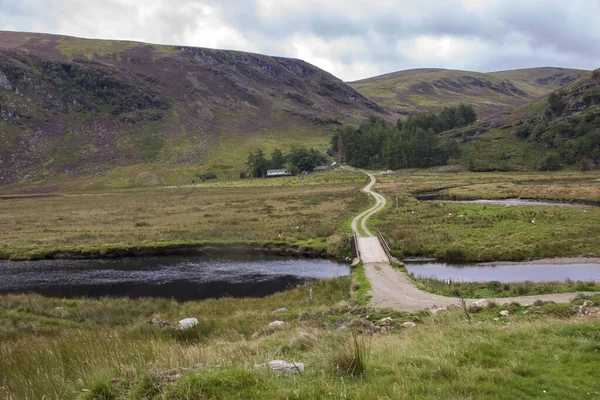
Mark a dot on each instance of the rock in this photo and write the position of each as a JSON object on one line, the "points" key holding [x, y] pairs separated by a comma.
{"points": [[282, 367], [4, 82], [276, 325], [386, 321], [303, 339], [409, 325], [588, 303], [481, 303], [187, 323], [504, 313], [157, 321], [280, 310]]}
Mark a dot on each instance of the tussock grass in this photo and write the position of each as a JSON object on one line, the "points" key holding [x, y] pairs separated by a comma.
{"points": [[546, 348]]}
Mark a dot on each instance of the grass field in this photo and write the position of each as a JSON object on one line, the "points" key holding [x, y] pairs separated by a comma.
{"points": [[106, 349], [311, 212], [496, 289], [475, 232]]}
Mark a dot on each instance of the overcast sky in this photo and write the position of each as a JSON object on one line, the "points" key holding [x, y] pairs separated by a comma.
{"points": [[352, 39]]}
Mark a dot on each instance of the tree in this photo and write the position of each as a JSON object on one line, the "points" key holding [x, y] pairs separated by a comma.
{"points": [[277, 159], [257, 164]]}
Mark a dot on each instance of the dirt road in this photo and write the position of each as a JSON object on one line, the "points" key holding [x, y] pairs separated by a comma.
{"points": [[393, 289]]}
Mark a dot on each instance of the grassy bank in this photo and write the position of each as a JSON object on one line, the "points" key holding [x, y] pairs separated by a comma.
{"points": [[106, 349], [495, 289], [311, 215], [479, 232]]}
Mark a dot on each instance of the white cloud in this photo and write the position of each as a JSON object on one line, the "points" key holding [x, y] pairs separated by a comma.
{"points": [[352, 39]]}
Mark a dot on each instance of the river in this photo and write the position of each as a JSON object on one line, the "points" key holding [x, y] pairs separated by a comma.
{"points": [[179, 277]]}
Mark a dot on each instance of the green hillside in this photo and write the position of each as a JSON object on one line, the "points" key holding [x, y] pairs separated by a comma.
{"points": [[561, 130], [123, 113], [429, 90]]}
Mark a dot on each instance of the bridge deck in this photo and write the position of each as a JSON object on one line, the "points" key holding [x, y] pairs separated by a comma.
{"points": [[371, 250]]}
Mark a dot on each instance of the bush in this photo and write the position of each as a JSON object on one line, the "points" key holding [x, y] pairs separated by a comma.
{"points": [[550, 163], [523, 131], [207, 175]]}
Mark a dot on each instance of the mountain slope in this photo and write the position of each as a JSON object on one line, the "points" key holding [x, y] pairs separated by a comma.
{"points": [[73, 107], [559, 130], [429, 90]]}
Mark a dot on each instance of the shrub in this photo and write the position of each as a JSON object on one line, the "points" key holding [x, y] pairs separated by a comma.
{"points": [[524, 131], [550, 163], [207, 175], [495, 286]]}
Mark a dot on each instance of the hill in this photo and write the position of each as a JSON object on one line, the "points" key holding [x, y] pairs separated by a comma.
{"points": [[76, 108], [559, 130], [429, 90]]}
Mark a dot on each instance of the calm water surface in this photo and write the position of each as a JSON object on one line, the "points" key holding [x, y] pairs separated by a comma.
{"points": [[179, 277], [507, 273]]}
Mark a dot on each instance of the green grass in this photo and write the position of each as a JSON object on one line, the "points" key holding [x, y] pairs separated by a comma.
{"points": [[495, 289], [406, 90], [105, 349], [478, 232], [361, 286], [70, 46], [306, 214]]}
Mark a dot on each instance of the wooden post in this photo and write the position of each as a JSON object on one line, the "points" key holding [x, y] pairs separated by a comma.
{"points": [[309, 293], [396, 179]]}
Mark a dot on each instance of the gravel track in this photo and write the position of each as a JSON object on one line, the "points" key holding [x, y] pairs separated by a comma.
{"points": [[393, 289]]}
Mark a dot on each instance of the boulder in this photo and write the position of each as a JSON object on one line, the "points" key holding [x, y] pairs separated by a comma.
{"points": [[409, 324], [504, 313], [276, 325], [303, 339], [286, 368], [481, 303], [187, 323]]}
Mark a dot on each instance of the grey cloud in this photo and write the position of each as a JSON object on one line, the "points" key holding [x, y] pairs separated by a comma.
{"points": [[507, 33]]}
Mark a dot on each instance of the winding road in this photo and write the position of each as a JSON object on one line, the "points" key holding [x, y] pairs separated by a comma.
{"points": [[392, 288]]}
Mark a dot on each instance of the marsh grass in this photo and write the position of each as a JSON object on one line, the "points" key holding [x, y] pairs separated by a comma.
{"points": [[97, 222], [480, 232]]}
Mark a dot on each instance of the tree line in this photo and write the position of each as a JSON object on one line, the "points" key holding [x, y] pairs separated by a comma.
{"points": [[294, 162], [413, 143]]}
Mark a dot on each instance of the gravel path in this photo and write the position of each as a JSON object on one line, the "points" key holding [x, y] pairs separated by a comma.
{"points": [[393, 289]]}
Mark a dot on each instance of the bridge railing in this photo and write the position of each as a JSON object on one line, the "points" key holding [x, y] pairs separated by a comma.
{"points": [[384, 244], [354, 246]]}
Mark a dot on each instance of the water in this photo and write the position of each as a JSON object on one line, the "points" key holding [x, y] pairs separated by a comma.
{"points": [[179, 277], [507, 273], [434, 196]]}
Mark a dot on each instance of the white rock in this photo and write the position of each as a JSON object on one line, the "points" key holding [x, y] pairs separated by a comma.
{"points": [[409, 325], [533, 221], [504, 313], [283, 367], [280, 310], [483, 303], [187, 323], [276, 324]]}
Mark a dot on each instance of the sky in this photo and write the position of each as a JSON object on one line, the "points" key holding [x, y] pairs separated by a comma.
{"points": [[352, 39]]}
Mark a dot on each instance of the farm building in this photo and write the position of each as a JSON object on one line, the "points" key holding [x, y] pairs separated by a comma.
{"points": [[277, 172]]}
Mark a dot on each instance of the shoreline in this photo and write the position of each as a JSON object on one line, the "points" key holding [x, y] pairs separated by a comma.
{"points": [[198, 249], [547, 261]]}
